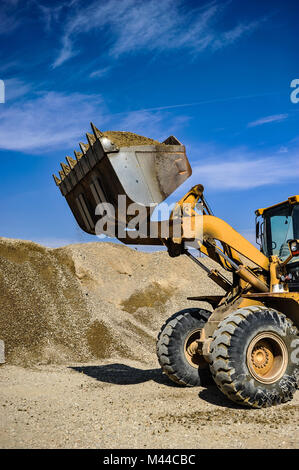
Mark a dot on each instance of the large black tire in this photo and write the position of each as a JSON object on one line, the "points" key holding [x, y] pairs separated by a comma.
{"points": [[171, 348], [249, 343]]}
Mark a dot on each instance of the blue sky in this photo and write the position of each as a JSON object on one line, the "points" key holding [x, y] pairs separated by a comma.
{"points": [[215, 74]]}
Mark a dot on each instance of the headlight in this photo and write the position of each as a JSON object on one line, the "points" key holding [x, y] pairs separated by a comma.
{"points": [[294, 247]]}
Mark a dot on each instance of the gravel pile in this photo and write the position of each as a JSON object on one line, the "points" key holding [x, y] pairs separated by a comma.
{"points": [[129, 139], [87, 301]]}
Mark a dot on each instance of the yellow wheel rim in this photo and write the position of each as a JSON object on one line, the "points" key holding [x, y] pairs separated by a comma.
{"points": [[267, 357], [191, 351]]}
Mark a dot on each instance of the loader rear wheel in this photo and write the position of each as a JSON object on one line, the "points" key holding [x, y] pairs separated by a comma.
{"points": [[177, 349], [254, 357]]}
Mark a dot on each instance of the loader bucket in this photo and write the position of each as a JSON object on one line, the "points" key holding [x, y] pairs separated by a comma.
{"points": [[115, 164]]}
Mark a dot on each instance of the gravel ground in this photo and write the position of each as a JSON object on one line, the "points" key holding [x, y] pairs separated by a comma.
{"points": [[128, 404]]}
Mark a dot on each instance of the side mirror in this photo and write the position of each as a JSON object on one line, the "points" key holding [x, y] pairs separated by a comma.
{"points": [[257, 230], [293, 247]]}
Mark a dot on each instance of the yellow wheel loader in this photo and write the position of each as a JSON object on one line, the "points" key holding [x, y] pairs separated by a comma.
{"points": [[248, 340]]}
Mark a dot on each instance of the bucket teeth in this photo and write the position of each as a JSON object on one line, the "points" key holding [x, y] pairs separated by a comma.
{"points": [[90, 138], [83, 147], [172, 140], [96, 131], [71, 162], [106, 143], [78, 155], [62, 175], [57, 180], [66, 169]]}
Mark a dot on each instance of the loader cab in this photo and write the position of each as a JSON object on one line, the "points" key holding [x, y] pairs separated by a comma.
{"points": [[276, 225]]}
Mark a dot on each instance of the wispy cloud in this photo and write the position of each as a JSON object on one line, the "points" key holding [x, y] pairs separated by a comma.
{"points": [[14, 88], [159, 124], [52, 120], [229, 37], [210, 101], [47, 121], [268, 119], [100, 72], [241, 169], [8, 66], [153, 25], [50, 15], [9, 18], [283, 149], [10, 2]]}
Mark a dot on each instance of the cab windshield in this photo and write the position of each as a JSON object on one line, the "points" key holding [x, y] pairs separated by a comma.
{"points": [[281, 225]]}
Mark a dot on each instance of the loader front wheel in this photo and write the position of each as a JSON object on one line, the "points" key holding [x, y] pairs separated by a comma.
{"points": [[177, 348], [254, 357]]}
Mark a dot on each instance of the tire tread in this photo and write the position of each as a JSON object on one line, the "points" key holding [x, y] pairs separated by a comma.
{"points": [[233, 387]]}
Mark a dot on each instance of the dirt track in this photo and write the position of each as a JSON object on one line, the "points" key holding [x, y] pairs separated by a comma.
{"points": [[79, 325]]}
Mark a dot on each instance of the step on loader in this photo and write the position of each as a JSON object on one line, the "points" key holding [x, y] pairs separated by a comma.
{"points": [[247, 341]]}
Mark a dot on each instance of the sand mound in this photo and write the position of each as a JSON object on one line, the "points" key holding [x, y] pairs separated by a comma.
{"points": [[86, 301], [129, 139], [42, 307]]}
